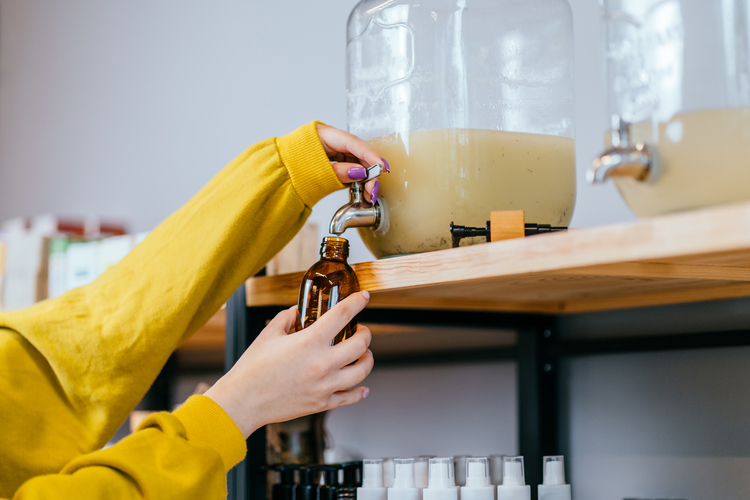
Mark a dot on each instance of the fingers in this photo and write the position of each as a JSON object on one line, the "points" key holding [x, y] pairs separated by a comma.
{"points": [[349, 172], [345, 398], [352, 375], [331, 323], [283, 323], [337, 141], [372, 188], [352, 348], [352, 172]]}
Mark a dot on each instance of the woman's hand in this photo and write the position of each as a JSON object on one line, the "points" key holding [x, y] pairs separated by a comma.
{"points": [[353, 157], [282, 376]]}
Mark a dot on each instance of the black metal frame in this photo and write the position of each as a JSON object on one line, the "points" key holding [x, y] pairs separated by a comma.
{"points": [[538, 354]]}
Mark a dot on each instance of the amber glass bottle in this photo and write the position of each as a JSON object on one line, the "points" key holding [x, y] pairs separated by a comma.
{"points": [[327, 282]]}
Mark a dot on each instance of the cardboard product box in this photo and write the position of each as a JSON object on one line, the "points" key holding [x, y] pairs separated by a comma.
{"points": [[82, 264], [26, 267], [112, 250]]}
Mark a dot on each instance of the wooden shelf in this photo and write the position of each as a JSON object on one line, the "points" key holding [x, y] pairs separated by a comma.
{"points": [[687, 257]]}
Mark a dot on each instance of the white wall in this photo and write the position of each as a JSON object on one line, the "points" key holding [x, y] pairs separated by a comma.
{"points": [[128, 108], [442, 410]]}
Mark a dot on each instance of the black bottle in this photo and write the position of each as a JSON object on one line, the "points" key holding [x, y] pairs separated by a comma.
{"points": [[285, 489]]}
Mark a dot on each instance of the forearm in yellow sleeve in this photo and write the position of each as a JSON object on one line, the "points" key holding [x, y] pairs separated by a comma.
{"points": [[94, 352], [164, 459]]}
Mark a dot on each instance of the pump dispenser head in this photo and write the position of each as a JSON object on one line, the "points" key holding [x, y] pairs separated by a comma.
{"points": [[372, 481], [554, 487], [421, 474], [554, 471], [441, 473], [442, 483], [478, 485], [513, 473], [514, 485], [403, 481], [477, 472]]}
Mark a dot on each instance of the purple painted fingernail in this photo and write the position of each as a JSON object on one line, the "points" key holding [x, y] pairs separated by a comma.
{"points": [[387, 167], [366, 392], [374, 195], [357, 173]]}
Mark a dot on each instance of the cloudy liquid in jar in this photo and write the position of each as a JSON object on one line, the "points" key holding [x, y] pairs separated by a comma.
{"points": [[461, 175], [705, 161]]}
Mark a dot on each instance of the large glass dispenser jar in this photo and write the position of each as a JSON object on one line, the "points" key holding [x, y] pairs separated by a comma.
{"points": [[471, 103], [678, 80]]}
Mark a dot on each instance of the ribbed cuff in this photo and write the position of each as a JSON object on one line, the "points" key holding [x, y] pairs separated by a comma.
{"points": [[307, 164], [207, 422]]}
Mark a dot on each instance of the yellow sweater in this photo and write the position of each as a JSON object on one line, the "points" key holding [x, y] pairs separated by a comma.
{"points": [[72, 368]]}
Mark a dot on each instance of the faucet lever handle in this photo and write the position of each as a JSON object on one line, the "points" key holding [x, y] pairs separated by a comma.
{"points": [[373, 172]]}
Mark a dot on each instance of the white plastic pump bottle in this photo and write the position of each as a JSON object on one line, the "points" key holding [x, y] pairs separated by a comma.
{"points": [[554, 487], [478, 485], [403, 481], [514, 485], [372, 481], [441, 485]]}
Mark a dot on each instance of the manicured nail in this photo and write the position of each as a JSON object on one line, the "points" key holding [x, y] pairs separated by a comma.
{"points": [[374, 195], [357, 173], [387, 167], [366, 294], [366, 392], [370, 352]]}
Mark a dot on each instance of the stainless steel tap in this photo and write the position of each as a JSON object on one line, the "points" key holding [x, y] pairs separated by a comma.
{"points": [[624, 160], [358, 212]]}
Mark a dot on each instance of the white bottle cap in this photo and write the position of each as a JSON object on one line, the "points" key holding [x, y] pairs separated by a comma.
{"points": [[554, 487], [554, 470], [477, 472], [372, 473], [496, 469], [441, 473], [459, 463], [477, 480], [421, 476], [441, 483], [513, 474], [387, 472], [403, 481], [372, 481], [514, 485]]}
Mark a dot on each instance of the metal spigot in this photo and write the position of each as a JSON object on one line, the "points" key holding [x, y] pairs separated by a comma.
{"points": [[358, 212], [623, 160]]}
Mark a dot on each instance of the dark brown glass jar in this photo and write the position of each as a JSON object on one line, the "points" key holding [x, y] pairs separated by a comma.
{"points": [[327, 282]]}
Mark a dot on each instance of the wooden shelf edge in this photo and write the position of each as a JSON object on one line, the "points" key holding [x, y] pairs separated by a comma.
{"points": [[666, 248]]}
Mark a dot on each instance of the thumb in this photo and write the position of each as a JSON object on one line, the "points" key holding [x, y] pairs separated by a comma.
{"points": [[283, 323]]}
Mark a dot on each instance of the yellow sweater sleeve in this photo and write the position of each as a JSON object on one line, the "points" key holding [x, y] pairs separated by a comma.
{"points": [[171, 456], [72, 368]]}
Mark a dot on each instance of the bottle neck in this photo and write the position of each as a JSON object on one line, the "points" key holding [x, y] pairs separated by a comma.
{"points": [[334, 249]]}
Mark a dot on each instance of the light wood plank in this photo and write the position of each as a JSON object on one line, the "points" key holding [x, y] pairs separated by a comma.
{"points": [[692, 256]]}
